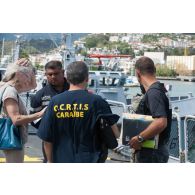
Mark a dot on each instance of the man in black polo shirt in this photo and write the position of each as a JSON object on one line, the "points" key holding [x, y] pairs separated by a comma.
{"points": [[56, 83], [68, 126], [154, 103]]}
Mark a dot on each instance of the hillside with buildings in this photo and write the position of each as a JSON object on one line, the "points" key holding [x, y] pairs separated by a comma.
{"points": [[168, 50], [174, 51]]}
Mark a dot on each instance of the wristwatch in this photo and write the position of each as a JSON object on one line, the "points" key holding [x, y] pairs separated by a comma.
{"points": [[140, 138]]}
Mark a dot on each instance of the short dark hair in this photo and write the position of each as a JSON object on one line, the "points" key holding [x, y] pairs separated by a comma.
{"points": [[53, 64], [145, 65], [76, 72]]}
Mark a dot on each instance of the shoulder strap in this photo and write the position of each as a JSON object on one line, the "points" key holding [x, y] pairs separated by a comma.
{"points": [[1, 96]]}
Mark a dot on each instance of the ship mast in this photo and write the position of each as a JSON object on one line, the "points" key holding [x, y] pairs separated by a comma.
{"points": [[68, 51], [2, 50], [16, 51]]}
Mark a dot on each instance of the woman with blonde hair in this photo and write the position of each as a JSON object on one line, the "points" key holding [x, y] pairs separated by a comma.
{"points": [[19, 77]]}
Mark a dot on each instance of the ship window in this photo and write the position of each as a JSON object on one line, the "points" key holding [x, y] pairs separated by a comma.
{"points": [[114, 73], [91, 83], [91, 72], [68, 57]]}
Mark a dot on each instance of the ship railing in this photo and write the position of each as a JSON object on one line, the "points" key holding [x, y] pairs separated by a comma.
{"points": [[189, 138], [119, 108], [176, 146], [176, 149], [117, 104]]}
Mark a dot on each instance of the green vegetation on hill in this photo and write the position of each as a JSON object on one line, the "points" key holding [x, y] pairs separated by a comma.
{"points": [[99, 40], [149, 38], [29, 47], [165, 71], [102, 40], [36, 47]]}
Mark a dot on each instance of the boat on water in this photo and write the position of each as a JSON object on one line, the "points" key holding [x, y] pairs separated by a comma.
{"points": [[131, 81]]}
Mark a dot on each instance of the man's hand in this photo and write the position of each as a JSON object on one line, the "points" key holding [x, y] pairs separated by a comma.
{"points": [[41, 113], [134, 143]]}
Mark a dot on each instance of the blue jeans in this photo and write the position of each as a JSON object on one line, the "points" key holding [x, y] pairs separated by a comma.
{"points": [[145, 155]]}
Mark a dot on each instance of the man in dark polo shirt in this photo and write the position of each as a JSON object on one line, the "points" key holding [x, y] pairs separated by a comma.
{"points": [[68, 126], [56, 84], [154, 103]]}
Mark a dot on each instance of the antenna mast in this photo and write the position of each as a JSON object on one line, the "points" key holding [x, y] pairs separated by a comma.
{"points": [[16, 52], [2, 50], [68, 51]]}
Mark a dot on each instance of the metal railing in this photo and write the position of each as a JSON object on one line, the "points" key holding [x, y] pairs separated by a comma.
{"points": [[189, 138], [175, 141], [118, 104]]}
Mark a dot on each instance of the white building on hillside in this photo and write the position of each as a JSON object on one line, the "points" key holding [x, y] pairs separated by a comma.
{"points": [[114, 38], [38, 59], [125, 39], [54, 56], [157, 57], [167, 42], [79, 44], [181, 62]]}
